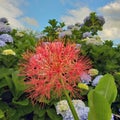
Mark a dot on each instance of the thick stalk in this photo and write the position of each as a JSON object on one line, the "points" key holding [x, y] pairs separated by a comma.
{"points": [[70, 103], [71, 106]]}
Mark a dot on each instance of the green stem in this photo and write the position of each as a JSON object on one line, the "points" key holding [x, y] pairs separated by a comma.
{"points": [[71, 106], [70, 103]]}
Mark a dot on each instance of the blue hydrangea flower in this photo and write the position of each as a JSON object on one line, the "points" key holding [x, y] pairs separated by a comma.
{"points": [[86, 19], [82, 111], [78, 45], [4, 28], [6, 38], [85, 78], [82, 114], [86, 34], [96, 80], [101, 20], [65, 33], [70, 27], [2, 43], [4, 20], [39, 36]]}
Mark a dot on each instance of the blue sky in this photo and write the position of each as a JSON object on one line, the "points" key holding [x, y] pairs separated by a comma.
{"points": [[34, 14]]}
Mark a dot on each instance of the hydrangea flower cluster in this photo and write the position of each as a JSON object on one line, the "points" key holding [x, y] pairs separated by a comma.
{"points": [[19, 34], [4, 30], [6, 38], [65, 33], [63, 109], [100, 19], [8, 52], [93, 72], [96, 80], [96, 40], [40, 36], [4, 20], [83, 86], [2, 43], [87, 34]]}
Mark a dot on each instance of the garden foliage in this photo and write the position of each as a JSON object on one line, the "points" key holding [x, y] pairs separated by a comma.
{"points": [[102, 99]]}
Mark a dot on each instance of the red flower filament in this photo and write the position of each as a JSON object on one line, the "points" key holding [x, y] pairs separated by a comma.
{"points": [[53, 68]]}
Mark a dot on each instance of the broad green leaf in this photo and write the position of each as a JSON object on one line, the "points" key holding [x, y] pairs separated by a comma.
{"points": [[1, 114], [19, 86], [99, 107], [107, 88]]}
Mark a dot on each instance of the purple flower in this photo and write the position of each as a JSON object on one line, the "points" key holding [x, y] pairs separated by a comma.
{"points": [[96, 80], [78, 45], [101, 20], [4, 20], [87, 19], [4, 28], [86, 34], [6, 38], [83, 112], [2, 43], [39, 36], [85, 78], [65, 33], [70, 27], [81, 25]]}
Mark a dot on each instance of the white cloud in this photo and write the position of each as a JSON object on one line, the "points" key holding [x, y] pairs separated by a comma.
{"points": [[30, 21], [75, 15], [111, 13], [11, 10], [111, 29]]}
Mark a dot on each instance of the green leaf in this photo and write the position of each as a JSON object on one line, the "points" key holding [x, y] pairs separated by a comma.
{"points": [[9, 112], [22, 102], [39, 111], [22, 111], [107, 88], [3, 83], [52, 114], [18, 84], [1, 114], [99, 107], [35, 117], [5, 72]]}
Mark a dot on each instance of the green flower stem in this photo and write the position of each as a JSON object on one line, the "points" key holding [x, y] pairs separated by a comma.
{"points": [[70, 103], [71, 106]]}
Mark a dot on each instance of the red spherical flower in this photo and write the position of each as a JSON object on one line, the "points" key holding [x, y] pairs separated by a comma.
{"points": [[52, 68]]}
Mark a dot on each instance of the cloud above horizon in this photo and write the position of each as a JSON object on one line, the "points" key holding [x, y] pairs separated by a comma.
{"points": [[111, 13], [11, 10], [76, 12], [75, 15], [30, 21]]}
